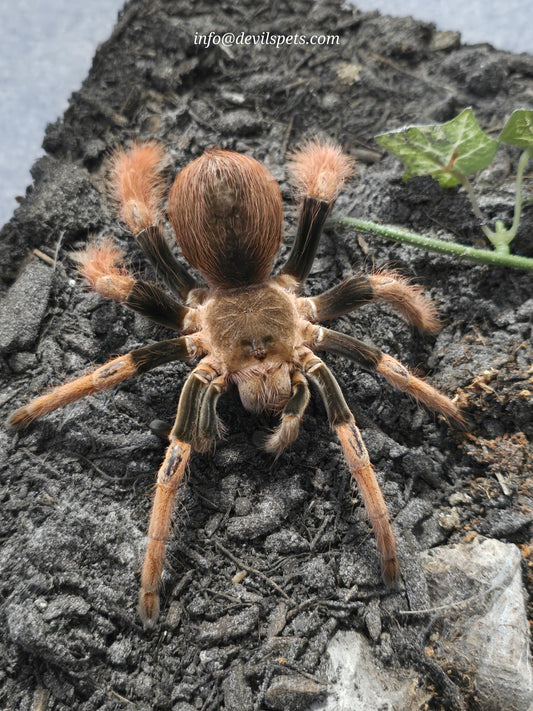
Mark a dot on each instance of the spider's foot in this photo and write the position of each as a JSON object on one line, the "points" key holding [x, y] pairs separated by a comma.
{"points": [[148, 608], [19, 419]]}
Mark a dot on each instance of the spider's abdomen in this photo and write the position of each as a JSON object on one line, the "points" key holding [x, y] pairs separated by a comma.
{"points": [[226, 212]]}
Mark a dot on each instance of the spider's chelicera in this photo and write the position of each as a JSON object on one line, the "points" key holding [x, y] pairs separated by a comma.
{"points": [[245, 326]]}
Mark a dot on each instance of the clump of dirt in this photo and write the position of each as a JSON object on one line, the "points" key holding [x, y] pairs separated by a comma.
{"points": [[253, 592]]}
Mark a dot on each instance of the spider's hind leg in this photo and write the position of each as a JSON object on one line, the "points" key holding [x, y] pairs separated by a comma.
{"points": [[101, 265], [136, 186], [318, 170]]}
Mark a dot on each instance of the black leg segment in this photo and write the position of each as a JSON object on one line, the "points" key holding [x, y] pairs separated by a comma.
{"points": [[150, 301], [364, 354], [313, 214], [153, 243], [343, 298]]}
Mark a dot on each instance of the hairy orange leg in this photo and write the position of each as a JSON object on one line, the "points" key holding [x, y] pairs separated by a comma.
{"points": [[356, 455], [170, 476], [362, 472], [401, 378], [371, 358], [106, 376], [360, 289]]}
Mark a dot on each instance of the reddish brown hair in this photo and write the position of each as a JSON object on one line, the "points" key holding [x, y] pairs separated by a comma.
{"points": [[226, 211], [136, 184]]}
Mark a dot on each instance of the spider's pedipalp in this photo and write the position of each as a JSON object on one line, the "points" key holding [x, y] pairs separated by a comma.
{"points": [[106, 376], [342, 421], [287, 431]]}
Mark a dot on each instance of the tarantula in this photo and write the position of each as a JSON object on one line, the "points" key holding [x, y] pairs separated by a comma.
{"points": [[246, 327]]}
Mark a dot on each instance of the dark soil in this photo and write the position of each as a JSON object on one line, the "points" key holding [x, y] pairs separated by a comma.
{"points": [[76, 487]]}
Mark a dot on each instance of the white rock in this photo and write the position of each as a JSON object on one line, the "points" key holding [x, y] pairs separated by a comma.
{"points": [[477, 588], [359, 682]]}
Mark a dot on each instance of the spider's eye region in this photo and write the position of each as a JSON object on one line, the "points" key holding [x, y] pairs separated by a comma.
{"points": [[257, 347]]}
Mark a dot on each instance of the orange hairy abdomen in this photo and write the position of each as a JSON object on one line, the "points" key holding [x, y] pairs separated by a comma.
{"points": [[226, 212]]}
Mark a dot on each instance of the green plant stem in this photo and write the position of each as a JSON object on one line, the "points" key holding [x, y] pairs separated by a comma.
{"points": [[467, 185], [481, 256], [523, 161]]}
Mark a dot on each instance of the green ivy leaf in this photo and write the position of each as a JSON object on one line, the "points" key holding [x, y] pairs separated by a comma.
{"points": [[518, 131], [444, 151]]}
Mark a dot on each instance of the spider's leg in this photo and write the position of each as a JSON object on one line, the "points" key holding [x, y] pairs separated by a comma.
{"points": [[287, 431], [100, 265], [358, 290], [318, 170], [313, 214], [356, 455], [106, 376], [371, 358], [137, 187], [209, 428], [154, 245], [170, 475]]}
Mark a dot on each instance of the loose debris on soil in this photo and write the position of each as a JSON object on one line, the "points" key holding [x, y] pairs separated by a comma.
{"points": [[269, 559]]}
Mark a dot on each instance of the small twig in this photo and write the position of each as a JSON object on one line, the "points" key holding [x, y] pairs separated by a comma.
{"points": [[58, 247], [122, 698], [44, 257], [254, 571], [323, 526]]}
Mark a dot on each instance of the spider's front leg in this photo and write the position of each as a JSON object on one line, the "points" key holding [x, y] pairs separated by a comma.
{"points": [[356, 455], [193, 423]]}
